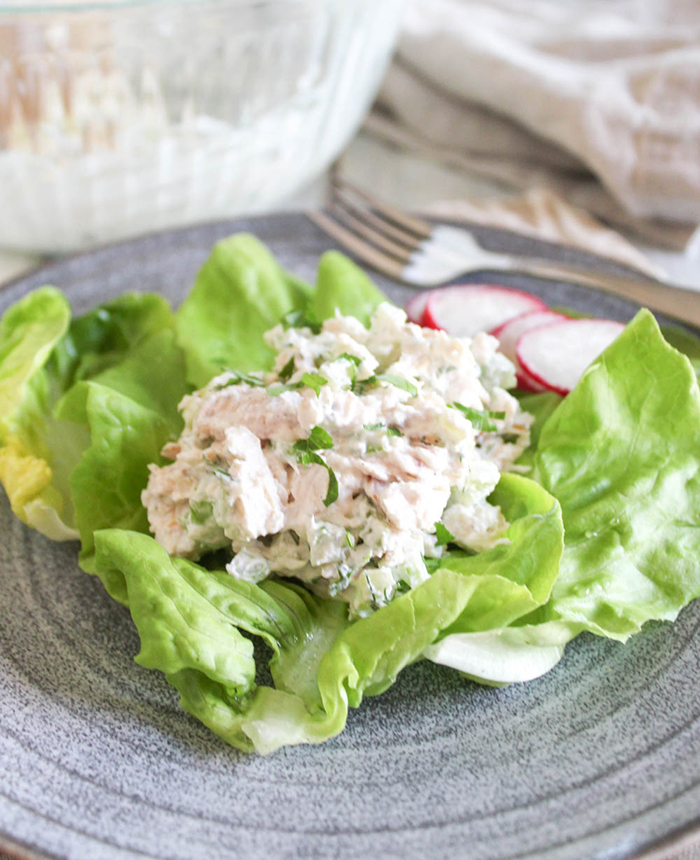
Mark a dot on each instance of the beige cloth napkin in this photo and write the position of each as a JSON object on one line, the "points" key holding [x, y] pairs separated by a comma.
{"points": [[542, 214], [597, 101], [410, 181]]}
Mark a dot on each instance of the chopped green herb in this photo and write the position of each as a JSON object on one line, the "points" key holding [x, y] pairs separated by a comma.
{"points": [[399, 382], [200, 511], [306, 457], [332, 493], [402, 587], [391, 431], [301, 319], [363, 384], [314, 380], [481, 419], [276, 390], [374, 592], [306, 454], [286, 373], [510, 438], [443, 534], [355, 362], [223, 472], [318, 439], [238, 378], [294, 536], [349, 539], [353, 359], [345, 573]]}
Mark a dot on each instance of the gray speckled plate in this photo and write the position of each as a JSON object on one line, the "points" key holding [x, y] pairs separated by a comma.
{"points": [[600, 758]]}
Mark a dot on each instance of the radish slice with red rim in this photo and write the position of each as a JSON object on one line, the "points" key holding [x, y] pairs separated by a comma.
{"points": [[557, 354], [510, 332], [526, 382], [415, 308], [464, 310]]}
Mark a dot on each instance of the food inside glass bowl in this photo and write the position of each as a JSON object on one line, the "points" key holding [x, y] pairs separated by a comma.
{"points": [[119, 118], [350, 489]]}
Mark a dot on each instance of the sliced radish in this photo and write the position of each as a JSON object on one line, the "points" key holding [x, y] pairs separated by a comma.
{"points": [[509, 333], [416, 307], [527, 382], [464, 310], [557, 354]]}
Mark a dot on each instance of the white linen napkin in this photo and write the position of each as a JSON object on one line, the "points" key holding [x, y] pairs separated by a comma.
{"points": [[597, 100]]}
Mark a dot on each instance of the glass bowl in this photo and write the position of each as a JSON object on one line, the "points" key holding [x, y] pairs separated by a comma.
{"points": [[118, 118]]}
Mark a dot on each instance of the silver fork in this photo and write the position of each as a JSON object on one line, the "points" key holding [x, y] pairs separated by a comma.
{"points": [[411, 250]]}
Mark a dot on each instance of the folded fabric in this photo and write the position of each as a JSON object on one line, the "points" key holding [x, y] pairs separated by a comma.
{"points": [[542, 214], [600, 102], [404, 177]]}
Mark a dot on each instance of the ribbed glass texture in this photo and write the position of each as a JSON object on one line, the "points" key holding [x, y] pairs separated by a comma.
{"points": [[117, 119]]}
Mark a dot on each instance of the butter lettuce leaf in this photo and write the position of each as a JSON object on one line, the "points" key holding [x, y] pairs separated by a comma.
{"points": [[240, 292], [343, 286], [29, 332], [507, 655], [684, 341], [105, 336], [191, 623], [540, 406], [54, 426], [127, 413], [519, 575], [621, 456], [521, 570]]}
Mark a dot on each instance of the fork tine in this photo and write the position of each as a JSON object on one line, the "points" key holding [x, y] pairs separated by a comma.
{"points": [[408, 222], [347, 219], [408, 239], [366, 252]]}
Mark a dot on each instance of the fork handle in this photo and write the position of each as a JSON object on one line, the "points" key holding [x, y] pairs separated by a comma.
{"points": [[680, 302]]}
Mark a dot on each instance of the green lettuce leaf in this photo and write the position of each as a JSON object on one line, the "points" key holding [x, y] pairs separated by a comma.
{"points": [[519, 577], [127, 413], [506, 655], [685, 342], [518, 573], [42, 354], [29, 332], [240, 293], [621, 456], [541, 406], [105, 336], [191, 624], [343, 286]]}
